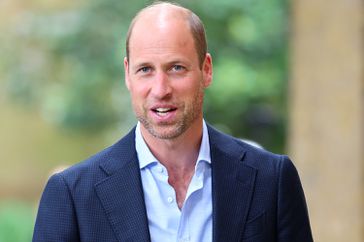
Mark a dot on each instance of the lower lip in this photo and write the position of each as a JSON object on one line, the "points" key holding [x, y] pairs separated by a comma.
{"points": [[166, 118]]}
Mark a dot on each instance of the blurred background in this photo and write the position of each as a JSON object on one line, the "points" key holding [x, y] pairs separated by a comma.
{"points": [[288, 75]]}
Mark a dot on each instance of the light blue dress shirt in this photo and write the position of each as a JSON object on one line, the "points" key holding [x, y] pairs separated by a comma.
{"points": [[167, 223]]}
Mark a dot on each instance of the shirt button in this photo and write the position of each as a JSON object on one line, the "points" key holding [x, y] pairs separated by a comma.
{"points": [[170, 199]]}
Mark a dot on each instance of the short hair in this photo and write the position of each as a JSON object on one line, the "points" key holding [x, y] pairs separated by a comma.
{"points": [[194, 22]]}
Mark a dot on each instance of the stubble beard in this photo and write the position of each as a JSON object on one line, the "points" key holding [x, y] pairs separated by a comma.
{"points": [[191, 112]]}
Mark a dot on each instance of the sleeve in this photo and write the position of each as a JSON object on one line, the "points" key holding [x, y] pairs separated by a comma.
{"points": [[292, 221], [56, 220]]}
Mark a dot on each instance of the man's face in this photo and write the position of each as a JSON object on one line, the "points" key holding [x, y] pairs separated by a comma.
{"points": [[164, 77]]}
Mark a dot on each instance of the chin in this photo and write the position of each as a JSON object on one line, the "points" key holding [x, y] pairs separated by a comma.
{"points": [[170, 132], [166, 134]]}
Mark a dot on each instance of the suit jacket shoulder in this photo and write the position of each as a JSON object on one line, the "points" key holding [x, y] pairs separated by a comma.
{"points": [[257, 194], [99, 199], [109, 160]]}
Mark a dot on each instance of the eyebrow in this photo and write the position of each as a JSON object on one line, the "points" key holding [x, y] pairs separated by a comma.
{"points": [[140, 65]]}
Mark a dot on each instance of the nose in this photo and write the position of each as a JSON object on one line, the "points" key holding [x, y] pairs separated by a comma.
{"points": [[161, 87]]}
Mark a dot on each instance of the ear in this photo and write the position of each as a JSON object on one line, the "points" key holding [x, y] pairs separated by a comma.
{"points": [[126, 71], [207, 70]]}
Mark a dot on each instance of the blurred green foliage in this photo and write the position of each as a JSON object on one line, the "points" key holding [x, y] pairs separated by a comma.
{"points": [[67, 63], [16, 221], [64, 61]]}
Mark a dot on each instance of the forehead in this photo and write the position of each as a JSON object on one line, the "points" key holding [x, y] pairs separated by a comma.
{"points": [[163, 33]]}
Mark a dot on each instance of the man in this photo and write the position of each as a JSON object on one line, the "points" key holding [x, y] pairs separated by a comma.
{"points": [[173, 177]]}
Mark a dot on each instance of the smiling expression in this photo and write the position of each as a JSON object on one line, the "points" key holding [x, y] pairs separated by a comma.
{"points": [[164, 76]]}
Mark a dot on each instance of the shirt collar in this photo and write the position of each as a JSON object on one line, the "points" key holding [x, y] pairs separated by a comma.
{"points": [[146, 157]]}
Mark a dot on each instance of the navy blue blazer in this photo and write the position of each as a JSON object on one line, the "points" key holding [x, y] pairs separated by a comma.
{"points": [[257, 197]]}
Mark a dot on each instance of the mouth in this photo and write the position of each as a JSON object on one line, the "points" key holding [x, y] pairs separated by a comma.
{"points": [[162, 112]]}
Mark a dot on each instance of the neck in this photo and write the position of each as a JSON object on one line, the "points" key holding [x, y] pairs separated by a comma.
{"points": [[179, 154]]}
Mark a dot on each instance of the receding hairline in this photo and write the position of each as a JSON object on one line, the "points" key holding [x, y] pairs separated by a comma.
{"points": [[164, 7], [157, 7], [168, 9]]}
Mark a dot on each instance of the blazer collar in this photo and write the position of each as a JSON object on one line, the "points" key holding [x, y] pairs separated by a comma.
{"points": [[121, 192], [232, 184]]}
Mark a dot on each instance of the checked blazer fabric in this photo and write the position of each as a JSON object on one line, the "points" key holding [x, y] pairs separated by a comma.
{"points": [[257, 197]]}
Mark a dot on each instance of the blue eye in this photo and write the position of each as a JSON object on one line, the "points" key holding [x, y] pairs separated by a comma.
{"points": [[144, 69], [177, 68]]}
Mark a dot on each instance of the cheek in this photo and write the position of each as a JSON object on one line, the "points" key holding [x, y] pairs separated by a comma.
{"points": [[137, 103], [138, 91], [190, 84], [194, 88]]}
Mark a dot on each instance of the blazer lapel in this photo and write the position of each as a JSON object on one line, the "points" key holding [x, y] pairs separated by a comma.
{"points": [[121, 193], [232, 185]]}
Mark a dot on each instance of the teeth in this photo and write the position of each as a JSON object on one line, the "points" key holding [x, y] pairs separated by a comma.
{"points": [[162, 110]]}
